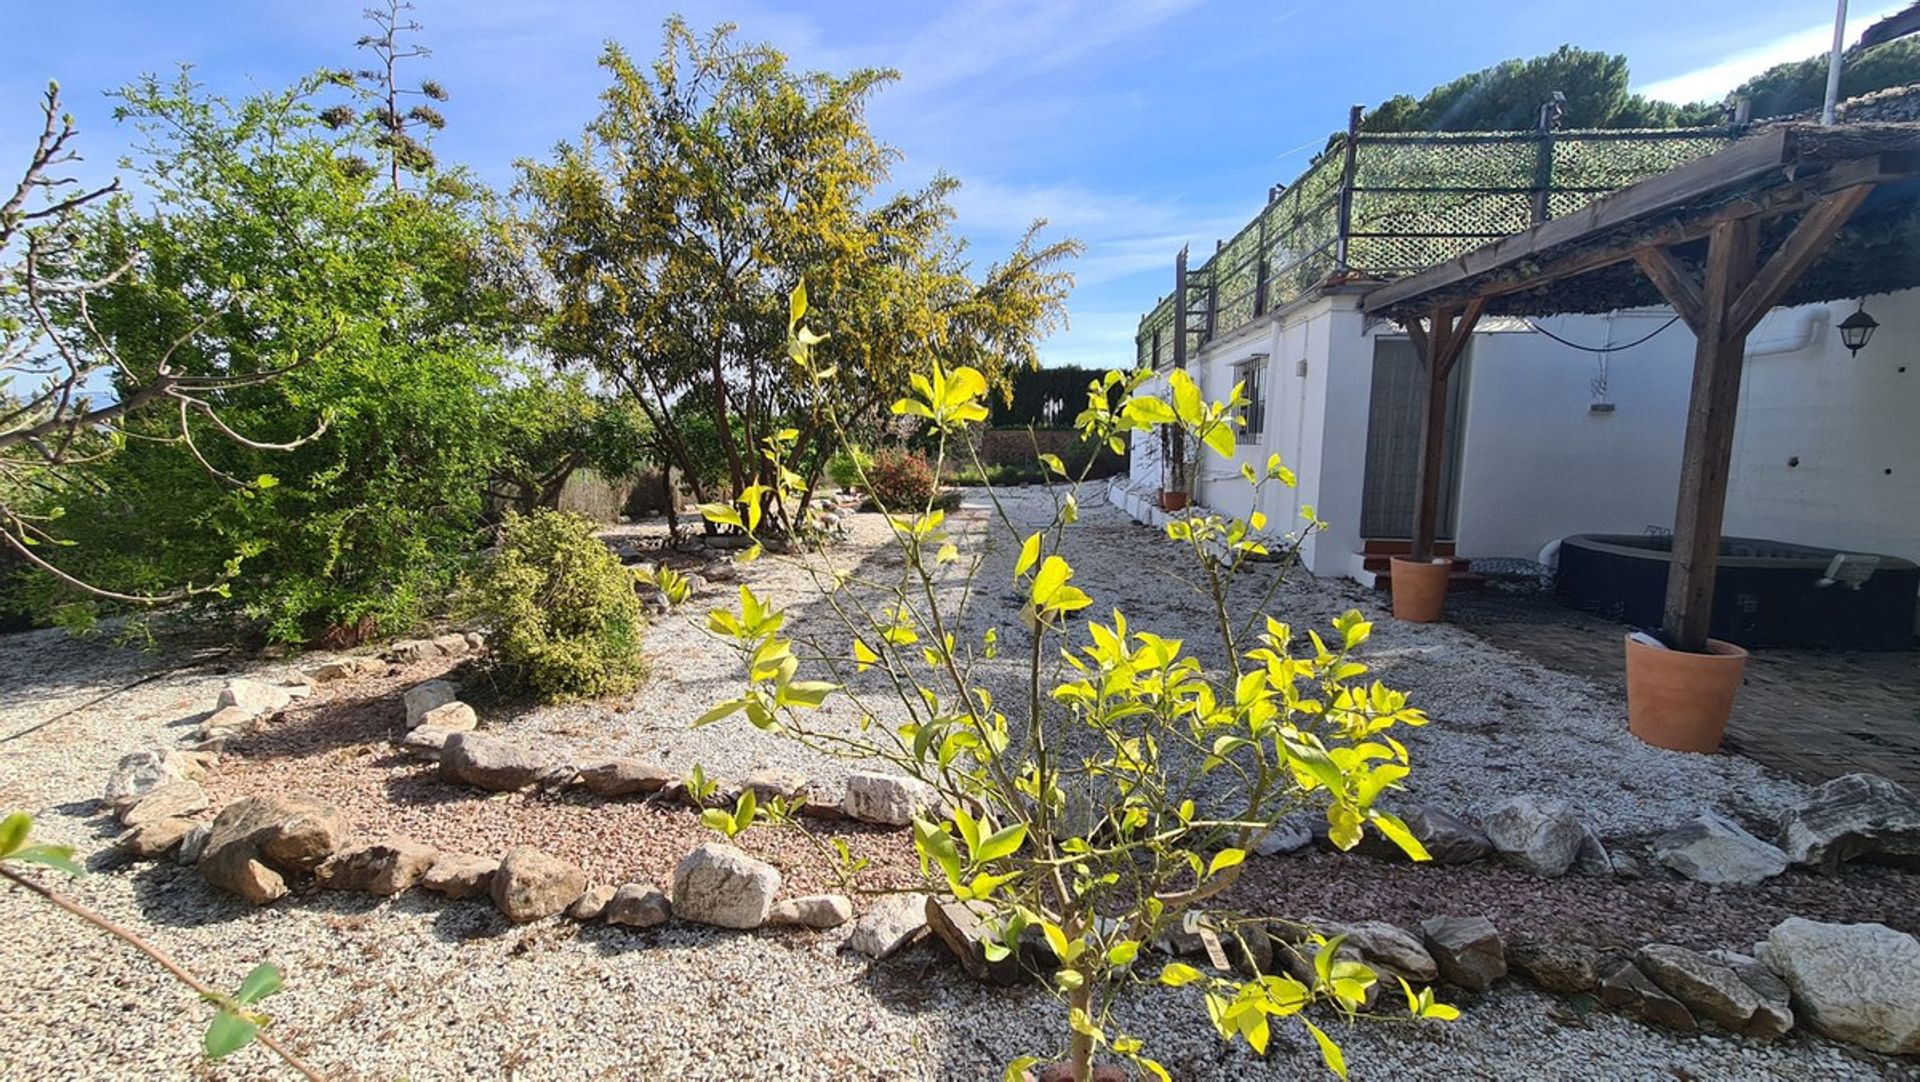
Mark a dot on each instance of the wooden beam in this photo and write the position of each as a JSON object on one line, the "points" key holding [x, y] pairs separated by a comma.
{"points": [[1440, 349], [1708, 449], [1676, 283], [1180, 308], [1795, 256]]}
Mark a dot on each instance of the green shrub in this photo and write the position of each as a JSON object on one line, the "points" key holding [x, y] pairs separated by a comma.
{"points": [[844, 469], [564, 617], [901, 481]]}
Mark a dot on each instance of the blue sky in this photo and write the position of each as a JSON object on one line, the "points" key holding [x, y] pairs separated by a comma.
{"points": [[1135, 125]]}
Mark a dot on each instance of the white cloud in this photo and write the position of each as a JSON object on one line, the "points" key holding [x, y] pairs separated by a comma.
{"points": [[1714, 81]]}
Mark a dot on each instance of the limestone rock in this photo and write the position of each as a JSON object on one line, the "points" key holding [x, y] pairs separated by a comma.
{"points": [[1566, 968], [489, 762], [173, 800], [530, 885], [256, 697], [639, 905], [347, 668], [1708, 989], [1287, 836], [453, 717], [1858, 983], [230, 722], [1859, 815], [1713, 849], [192, 844], [887, 799], [385, 867], [718, 884], [894, 921], [592, 904], [1389, 949], [421, 698], [1592, 858], [1540, 833], [460, 875], [452, 644], [1775, 1015], [1634, 994], [779, 783], [624, 777], [409, 651], [1467, 950], [140, 773], [812, 911], [963, 927], [155, 837], [425, 743], [1449, 839], [256, 842]]}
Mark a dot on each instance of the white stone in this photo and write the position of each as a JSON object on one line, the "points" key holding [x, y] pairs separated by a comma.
{"points": [[454, 717], [887, 799], [1540, 833], [1858, 983], [1859, 815], [254, 696], [813, 911], [1713, 849], [894, 921], [421, 698], [718, 884]]}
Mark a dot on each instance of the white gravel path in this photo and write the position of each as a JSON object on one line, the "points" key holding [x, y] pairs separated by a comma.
{"points": [[419, 989]]}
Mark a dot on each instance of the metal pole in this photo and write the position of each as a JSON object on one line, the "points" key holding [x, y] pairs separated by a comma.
{"points": [[1833, 62]]}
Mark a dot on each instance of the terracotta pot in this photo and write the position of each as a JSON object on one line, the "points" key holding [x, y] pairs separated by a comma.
{"points": [[1679, 700], [1419, 589], [1172, 500]]}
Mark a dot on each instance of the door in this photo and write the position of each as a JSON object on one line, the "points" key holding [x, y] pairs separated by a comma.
{"points": [[1393, 442]]}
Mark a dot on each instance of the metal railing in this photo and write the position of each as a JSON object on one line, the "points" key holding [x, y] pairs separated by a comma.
{"points": [[1382, 205]]}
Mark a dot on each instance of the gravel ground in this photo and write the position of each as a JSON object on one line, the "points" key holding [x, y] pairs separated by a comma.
{"points": [[416, 988]]}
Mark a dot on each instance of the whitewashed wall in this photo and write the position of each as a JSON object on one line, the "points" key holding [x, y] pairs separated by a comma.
{"points": [[1847, 420], [1538, 463]]}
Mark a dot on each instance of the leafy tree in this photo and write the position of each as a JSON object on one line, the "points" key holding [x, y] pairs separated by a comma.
{"points": [[711, 179], [1508, 96], [394, 128], [362, 529], [58, 424], [1800, 86], [551, 426]]}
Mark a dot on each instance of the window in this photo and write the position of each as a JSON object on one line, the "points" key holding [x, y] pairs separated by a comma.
{"points": [[1252, 372]]}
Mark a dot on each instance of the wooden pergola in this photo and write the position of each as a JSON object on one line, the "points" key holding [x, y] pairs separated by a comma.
{"points": [[1793, 214]]}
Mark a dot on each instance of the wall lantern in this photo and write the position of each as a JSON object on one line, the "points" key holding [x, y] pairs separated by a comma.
{"points": [[1857, 330]]}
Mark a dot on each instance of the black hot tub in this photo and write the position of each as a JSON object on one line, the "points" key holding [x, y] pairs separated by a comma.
{"points": [[1766, 593]]}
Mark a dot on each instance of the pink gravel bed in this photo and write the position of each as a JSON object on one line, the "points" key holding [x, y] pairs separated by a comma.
{"points": [[336, 745], [1609, 913]]}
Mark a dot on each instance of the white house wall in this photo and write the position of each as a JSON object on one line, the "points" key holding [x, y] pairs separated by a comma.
{"points": [[1852, 424], [1538, 463], [1827, 447]]}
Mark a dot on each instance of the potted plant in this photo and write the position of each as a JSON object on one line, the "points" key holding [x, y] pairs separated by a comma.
{"points": [[1420, 588], [1681, 699]]}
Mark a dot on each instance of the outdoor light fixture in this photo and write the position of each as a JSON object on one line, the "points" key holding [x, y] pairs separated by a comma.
{"points": [[1857, 330]]}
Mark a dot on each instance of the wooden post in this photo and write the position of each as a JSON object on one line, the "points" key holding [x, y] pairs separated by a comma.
{"points": [[1708, 450], [1737, 292], [1438, 348]]}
